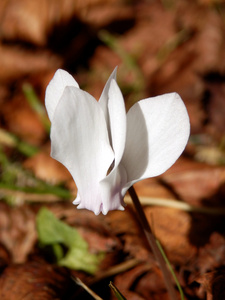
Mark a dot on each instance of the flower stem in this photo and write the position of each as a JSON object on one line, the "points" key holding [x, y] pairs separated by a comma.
{"points": [[152, 242]]}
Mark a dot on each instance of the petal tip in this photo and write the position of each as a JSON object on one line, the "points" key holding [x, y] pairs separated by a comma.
{"points": [[76, 201], [121, 207]]}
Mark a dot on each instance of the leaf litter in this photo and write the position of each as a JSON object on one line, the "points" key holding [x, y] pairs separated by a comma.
{"points": [[163, 46]]}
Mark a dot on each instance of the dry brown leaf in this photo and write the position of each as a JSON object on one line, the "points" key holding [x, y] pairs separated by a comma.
{"points": [[21, 120], [212, 283], [47, 168], [152, 188], [152, 286], [17, 231], [104, 14], [196, 183], [16, 62], [142, 282], [212, 255], [35, 280], [172, 227], [126, 226], [33, 22], [125, 281]]}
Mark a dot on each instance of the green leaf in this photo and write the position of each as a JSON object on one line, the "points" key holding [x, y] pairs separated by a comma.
{"points": [[55, 233]]}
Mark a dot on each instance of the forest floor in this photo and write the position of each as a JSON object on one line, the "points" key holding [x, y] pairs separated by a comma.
{"points": [[159, 47]]}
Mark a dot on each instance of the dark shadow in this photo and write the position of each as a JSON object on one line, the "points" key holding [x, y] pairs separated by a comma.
{"points": [[213, 284], [76, 41], [73, 41], [213, 100], [101, 288], [120, 26], [205, 103], [214, 77], [203, 225], [218, 284]]}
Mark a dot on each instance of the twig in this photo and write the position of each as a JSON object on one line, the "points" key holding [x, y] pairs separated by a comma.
{"points": [[112, 271], [117, 269], [86, 288]]}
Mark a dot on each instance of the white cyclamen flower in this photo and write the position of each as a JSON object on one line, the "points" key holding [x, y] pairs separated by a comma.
{"points": [[107, 150]]}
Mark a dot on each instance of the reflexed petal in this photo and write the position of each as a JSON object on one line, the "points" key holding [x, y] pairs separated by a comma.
{"points": [[55, 90], [80, 142], [117, 120], [103, 100], [112, 184], [157, 132]]}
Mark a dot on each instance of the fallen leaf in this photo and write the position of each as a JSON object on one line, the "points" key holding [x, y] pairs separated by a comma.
{"points": [[46, 168], [35, 280], [172, 227], [196, 183], [126, 226], [17, 231], [17, 62], [213, 284]]}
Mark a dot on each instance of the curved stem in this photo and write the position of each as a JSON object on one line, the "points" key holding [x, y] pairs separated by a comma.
{"points": [[152, 242]]}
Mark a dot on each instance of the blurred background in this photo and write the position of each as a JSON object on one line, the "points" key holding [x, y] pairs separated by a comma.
{"points": [[159, 46]]}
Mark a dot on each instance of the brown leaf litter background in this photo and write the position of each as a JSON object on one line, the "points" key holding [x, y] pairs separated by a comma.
{"points": [[159, 46]]}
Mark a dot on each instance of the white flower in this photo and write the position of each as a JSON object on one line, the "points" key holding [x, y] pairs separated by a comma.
{"points": [[106, 150]]}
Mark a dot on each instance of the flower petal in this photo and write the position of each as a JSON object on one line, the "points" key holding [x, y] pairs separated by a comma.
{"points": [[55, 90], [112, 184], [157, 133], [111, 190], [117, 120], [80, 142], [104, 98]]}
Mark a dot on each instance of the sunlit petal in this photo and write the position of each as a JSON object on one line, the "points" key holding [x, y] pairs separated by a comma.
{"points": [[111, 187], [104, 98], [112, 184], [55, 90], [80, 142], [117, 120], [157, 132]]}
